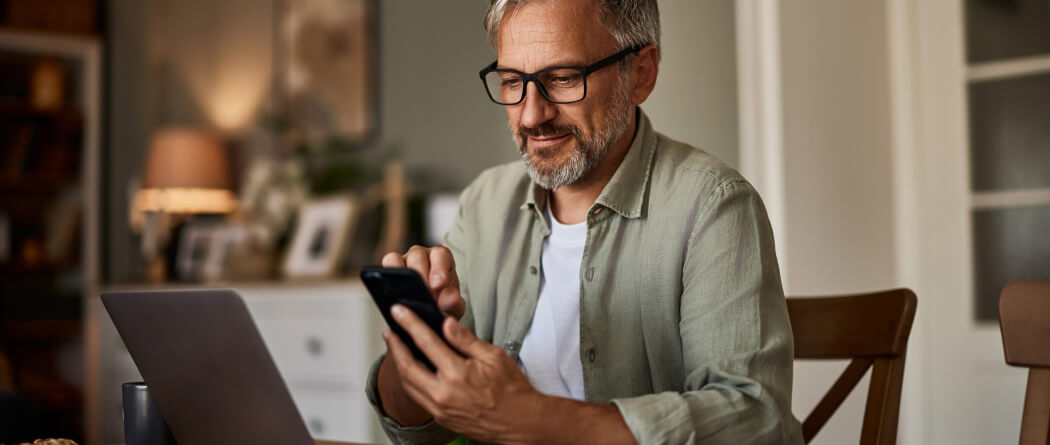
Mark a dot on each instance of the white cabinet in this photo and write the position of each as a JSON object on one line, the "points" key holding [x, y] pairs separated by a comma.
{"points": [[322, 336]]}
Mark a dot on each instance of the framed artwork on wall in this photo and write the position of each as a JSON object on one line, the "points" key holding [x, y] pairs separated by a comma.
{"points": [[327, 63]]}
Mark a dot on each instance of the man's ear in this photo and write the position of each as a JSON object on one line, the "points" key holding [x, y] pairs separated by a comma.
{"points": [[646, 67]]}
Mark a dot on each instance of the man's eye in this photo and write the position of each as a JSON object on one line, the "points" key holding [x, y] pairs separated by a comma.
{"points": [[565, 80], [511, 82]]}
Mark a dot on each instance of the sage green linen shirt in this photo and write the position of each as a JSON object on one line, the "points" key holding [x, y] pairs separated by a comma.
{"points": [[683, 324]]}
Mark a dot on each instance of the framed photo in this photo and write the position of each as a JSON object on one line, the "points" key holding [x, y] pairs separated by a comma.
{"points": [[321, 237], [194, 244], [223, 239], [328, 54]]}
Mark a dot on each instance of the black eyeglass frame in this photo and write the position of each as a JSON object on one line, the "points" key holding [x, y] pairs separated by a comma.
{"points": [[534, 77]]}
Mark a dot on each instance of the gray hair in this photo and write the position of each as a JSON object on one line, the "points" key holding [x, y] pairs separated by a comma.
{"points": [[630, 22]]}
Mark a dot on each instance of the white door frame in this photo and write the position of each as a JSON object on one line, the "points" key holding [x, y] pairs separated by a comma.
{"points": [[759, 102]]}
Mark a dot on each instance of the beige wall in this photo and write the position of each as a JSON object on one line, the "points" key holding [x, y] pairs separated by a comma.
{"points": [[450, 126], [837, 145], [695, 99], [170, 62], [837, 151]]}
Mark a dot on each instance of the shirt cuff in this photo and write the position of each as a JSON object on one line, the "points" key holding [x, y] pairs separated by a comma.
{"points": [[427, 433], [657, 418]]}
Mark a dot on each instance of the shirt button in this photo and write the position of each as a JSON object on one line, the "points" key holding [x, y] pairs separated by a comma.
{"points": [[532, 270], [590, 273], [590, 355], [511, 345]]}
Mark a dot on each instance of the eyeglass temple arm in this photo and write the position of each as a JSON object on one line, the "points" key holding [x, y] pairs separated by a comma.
{"points": [[612, 59]]}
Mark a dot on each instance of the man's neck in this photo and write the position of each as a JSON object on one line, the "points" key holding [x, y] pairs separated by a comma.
{"points": [[570, 204]]}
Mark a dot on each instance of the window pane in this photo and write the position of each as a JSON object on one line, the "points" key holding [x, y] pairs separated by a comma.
{"points": [[1010, 133], [1002, 29], [1009, 244]]}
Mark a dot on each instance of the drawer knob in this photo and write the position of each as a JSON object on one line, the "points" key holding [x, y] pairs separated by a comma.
{"points": [[316, 425], [314, 346]]}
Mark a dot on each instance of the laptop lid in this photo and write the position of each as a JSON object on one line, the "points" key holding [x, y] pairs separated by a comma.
{"points": [[207, 367]]}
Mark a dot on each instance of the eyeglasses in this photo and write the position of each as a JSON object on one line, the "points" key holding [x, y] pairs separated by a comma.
{"points": [[557, 84]]}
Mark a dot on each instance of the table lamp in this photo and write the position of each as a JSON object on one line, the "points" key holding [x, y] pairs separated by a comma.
{"points": [[187, 172]]}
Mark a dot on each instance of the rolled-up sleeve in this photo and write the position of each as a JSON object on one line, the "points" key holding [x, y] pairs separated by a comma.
{"points": [[736, 338], [430, 432], [427, 433]]}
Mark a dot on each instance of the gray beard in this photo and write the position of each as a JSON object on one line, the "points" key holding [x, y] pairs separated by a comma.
{"points": [[589, 151]]}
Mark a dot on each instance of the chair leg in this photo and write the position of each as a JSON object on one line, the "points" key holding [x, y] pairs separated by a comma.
{"points": [[884, 398], [1035, 421]]}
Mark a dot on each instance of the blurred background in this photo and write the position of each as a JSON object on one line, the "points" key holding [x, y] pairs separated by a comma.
{"points": [[277, 146]]}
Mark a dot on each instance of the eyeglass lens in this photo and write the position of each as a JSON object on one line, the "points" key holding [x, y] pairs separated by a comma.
{"points": [[557, 85]]}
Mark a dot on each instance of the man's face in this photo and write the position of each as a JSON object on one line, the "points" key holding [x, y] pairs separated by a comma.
{"points": [[561, 143]]}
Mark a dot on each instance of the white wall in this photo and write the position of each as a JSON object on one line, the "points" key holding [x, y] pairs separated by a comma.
{"points": [[824, 162], [695, 99], [448, 125], [837, 145]]}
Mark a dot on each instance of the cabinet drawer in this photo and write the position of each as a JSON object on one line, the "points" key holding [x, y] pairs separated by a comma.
{"points": [[326, 349], [340, 419]]}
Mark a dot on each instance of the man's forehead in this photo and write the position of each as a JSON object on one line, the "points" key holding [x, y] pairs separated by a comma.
{"points": [[543, 33]]}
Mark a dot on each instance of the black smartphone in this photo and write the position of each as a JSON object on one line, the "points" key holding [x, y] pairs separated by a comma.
{"points": [[404, 286]]}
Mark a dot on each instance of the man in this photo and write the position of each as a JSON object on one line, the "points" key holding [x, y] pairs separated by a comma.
{"points": [[619, 287]]}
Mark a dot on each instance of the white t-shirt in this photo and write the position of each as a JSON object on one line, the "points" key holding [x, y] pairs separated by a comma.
{"points": [[550, 352]]}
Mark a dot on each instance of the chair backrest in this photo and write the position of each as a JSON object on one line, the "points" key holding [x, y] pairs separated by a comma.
{"points": [[1024, 317], [871, 330]]}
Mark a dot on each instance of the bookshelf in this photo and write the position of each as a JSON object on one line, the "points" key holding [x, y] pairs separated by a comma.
{"points": [[50, 116]]}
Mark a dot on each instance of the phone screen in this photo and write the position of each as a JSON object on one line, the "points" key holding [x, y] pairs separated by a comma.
{"points": [[390, 286]]}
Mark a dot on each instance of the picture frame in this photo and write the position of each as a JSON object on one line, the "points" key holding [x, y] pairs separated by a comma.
{"points": [[328, 66], [222, 241], [321, 238], [192, 251]]}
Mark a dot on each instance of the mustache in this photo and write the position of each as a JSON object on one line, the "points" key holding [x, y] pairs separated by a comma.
{"points": [[547, 129]]}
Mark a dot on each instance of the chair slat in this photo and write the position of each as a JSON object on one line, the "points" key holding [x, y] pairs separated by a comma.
{"points": [[834, 397]]}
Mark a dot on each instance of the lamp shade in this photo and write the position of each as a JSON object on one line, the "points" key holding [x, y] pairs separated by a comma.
{"points": [[187, 158], [187, 171]]}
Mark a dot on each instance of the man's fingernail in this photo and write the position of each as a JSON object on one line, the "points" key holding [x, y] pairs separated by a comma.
{"points": [[436, 278], [398, 311]]}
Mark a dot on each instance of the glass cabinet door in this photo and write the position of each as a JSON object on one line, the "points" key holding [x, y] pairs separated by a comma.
{"points": [[1008, 55]]}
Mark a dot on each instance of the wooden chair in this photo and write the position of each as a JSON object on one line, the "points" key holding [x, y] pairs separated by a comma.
{"points": [[872, 331], [1024, 317]]}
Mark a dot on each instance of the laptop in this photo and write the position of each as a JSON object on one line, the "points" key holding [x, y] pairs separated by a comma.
{"points": [[207, 367]]}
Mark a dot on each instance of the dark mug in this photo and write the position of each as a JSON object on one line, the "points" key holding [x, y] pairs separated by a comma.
{"points": [[143, 423]]}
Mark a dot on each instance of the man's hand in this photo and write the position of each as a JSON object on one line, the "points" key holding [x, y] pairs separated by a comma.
{"points": [[484, 396], [438, 270], [480, 396]]}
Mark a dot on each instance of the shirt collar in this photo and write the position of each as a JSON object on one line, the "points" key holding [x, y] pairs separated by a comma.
{"points": [[625, 192]]}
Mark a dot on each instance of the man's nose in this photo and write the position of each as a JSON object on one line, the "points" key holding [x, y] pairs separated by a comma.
{"points": [[537, 109]]}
